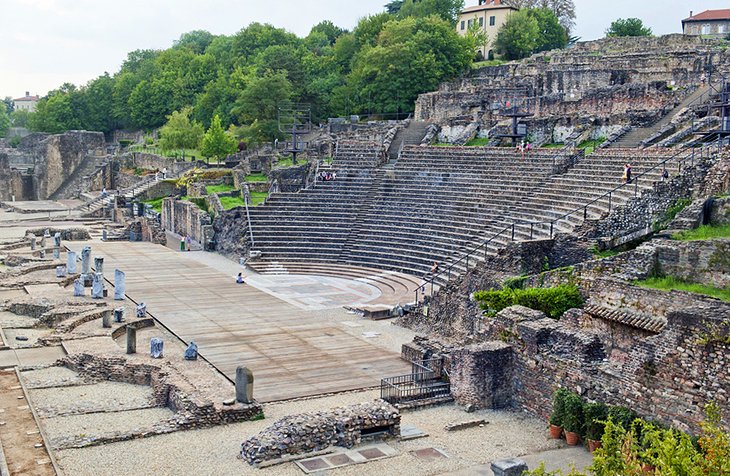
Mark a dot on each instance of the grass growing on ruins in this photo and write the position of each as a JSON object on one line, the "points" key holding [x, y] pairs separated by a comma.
{"points": [[155, 203], [670, 283], [211, 189], [603, 254], [672, 213], [284, 163], [590, 145], [552, 301], [554, 145], [254, 178], [257, 198], [705, 232], [478, 142], [484, 64]]}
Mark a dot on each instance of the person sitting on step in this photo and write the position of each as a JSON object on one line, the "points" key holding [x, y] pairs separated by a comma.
{"points": [[239, 279]]}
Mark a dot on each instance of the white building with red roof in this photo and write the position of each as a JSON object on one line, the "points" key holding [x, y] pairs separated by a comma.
{"points": [[710, 23], [489, 15], [26, 103]]}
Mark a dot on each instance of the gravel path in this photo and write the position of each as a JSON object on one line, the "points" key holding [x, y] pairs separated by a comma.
{"points": [[8, 319], [104, 396], [214, 451], [51, 377]]}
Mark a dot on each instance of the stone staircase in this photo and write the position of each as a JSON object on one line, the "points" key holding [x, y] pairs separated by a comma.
{"points": [[411, 135], [637, 135]]}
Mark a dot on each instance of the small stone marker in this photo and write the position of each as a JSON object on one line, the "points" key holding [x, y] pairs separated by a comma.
{"points": [[86, 260], [33, 239], [56, 253], [57, 240], [244, 385], [106, 319], [191, 353], [119, 314], [141, 310], [42, 254], [99, 265], [103, 235], [464, 425], [97, 286], [71, 262], [131, 340], [43, 242], [79, 287], [61, 271], [120, 285], [509, 467], [156, 347]]}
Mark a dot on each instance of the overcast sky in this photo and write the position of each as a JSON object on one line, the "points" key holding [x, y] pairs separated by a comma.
{"points": [[44, 43]]}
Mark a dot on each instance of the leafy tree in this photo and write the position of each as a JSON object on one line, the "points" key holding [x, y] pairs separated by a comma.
{"points": [[262, 96], [4, 120], [394, 6], [551, 35], [197, 41], [447, 9], [180, 132], [628, 27], [217, 143], [9, 106], [329, 29], [20, 118], [519, 36], [367, 30], [563, 9]]}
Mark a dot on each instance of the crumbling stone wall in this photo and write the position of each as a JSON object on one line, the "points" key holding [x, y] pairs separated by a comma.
{"points": [[12, 180], [230, 233], [186, 219], [308, 432]]}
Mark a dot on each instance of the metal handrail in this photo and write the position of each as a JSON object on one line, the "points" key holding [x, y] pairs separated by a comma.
{"points": [[250, 227], [552, 222]]}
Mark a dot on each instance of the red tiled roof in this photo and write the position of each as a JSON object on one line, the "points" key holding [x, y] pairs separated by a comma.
{"points": [[28, 98], [711, 15]]}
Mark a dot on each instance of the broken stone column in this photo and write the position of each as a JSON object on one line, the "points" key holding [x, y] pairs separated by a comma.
{"points": [[131, 340], [43, 242], [99, 265], [156, 346], [120, 285], [106, 319], [97, 286], [103, 235], [141, 310], [119, 314], [42, 254], [60, 271], [244, 385], [86, 260], [57, 240], [79, 287], [33, 242], [71, 262], [56, 253]]}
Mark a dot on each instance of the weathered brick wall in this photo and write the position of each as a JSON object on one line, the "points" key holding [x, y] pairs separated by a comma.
{"points": [[186, 219], [706, 262], [308, 432]]}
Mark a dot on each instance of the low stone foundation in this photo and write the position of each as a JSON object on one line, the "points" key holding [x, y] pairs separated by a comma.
{"points": [[309, 432]]}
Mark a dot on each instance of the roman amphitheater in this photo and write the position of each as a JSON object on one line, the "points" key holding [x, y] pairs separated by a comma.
{"points": [[360, 341]]}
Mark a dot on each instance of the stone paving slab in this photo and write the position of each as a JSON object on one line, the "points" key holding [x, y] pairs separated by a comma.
{"points": [[346, 458], [563, 459], [30, 357]]}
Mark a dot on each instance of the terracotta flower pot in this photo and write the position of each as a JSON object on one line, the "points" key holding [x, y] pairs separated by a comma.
{"points": [[555, 432], [572, 438], [593, 445]]}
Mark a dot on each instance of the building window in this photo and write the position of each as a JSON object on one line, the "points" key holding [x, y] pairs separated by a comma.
{"points": [[722, 28], [492, 21], [462, 24], [471, 22], [481, 21], [706, 29]]}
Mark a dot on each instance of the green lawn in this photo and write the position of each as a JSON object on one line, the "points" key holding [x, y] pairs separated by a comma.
{"points": [[211, 189], [257, 198], [556, 145], [705, 232], [590, 145], [254, 178], [482, 64], [671, 283], [155, 203], [604, 254], [284, 163], [478, 142]]}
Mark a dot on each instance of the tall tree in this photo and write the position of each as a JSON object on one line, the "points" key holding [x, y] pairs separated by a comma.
{"points": [[519, 36], [217, 143], [394, 6], [551, 35], [4, 120], [628, 27], [563, 9], [447, 9], [180, 132]]}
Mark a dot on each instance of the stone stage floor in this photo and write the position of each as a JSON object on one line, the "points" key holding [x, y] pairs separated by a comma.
{"points": [[291, 347]]}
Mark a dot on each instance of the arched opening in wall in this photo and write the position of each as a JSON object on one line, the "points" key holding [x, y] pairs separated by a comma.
{"points": [[490, 55], [480, 56]]}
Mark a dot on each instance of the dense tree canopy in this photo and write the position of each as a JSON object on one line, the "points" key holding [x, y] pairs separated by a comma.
{"points": [[180, 132], [380, 67], [217, 143], [563, 9], [628, 27], [4, 119], [530, 31]]}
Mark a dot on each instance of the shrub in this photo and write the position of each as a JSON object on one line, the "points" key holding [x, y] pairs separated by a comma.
{"points": [[124, 143], [558, 414], [573, 418], [622, 416], [595, 415], [552, 301]]}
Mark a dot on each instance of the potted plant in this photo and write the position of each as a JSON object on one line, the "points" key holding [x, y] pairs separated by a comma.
{"points": [[595, 415], [558, 414], [573, 419]]}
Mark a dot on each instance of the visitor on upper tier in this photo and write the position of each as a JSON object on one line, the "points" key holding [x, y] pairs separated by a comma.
{"points": [[239, 279], [627, 173], [529, 148], [435, 267], [103, 193], [665, 175]]}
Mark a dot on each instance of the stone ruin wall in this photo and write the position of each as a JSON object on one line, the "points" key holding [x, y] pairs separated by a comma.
{"points": [[604, 84], [186, 219], [14, 184], [310, 432]]}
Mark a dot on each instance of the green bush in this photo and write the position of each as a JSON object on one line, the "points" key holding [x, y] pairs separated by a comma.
{"points": [[558, 414], [124, 143], [595, 420], [552, 301], [622, 416], [573, 418]]}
